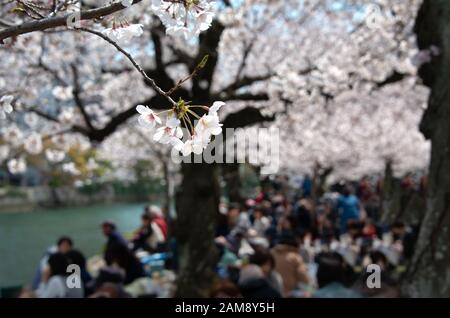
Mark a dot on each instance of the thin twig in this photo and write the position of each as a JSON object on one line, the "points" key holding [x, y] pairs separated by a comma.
{"points": [[193, 74]]}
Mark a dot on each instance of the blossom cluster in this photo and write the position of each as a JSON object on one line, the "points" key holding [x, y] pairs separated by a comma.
{"points": [[187, 18], [5, 106], [124, 32], [171, 133]]}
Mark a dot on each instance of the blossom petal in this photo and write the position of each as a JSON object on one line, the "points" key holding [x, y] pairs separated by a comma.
{"points": [[176, 143], [173, 122], [141, 109], [159, 134], [144, 122], [215, 107]]}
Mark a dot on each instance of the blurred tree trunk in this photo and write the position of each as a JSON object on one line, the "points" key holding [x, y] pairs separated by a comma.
{"points": [[197, 203], [388, 194], [398, 203], [167, 189], [428, 274], [393, 197], [320, 176]]}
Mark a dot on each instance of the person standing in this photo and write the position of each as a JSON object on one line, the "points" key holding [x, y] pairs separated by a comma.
{"points": [[348, 208]]}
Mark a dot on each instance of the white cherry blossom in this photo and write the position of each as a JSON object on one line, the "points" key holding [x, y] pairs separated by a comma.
{"points": [[54, 155], [71, 168], [126, 3], [62, 92], [4, 152], [33, 144], [168, 132], [17, 166], [192, 145], [13, 135], [147, 118], [208, 125], [185, 18], [5, 106], [124, 34]]}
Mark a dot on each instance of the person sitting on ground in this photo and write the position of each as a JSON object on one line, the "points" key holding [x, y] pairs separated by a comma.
{"points": [[253, 284], [237, 218], [142, 235], [63, 245], [157, 240], [289, 263], [265, 260], [388, 286], [125, 259], [113, 238], [261, 223], [76, 257], [331, 277], [225, 289], [235, 242], [157, 217], [54, 284], [110, 290], [286, 224]]}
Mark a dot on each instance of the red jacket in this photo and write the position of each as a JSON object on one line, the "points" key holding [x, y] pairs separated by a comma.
{"points": [[162, 225]]}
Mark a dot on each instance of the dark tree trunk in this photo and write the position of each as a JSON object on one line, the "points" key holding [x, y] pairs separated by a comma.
{"points": [[388, 193], [398, 203], [167, 189], [197, 206], [55, 197], [429, 272], [320, 176]]}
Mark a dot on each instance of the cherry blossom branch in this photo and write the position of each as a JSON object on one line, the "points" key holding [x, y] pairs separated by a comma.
{"points": [[53, 22], [245, 117], [133, 61], [42, 114]]}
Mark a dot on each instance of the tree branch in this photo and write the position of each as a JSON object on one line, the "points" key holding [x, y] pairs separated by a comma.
{"points": [[53, 22], [209, 45], [43, 115], [246, 81], [391, 79], [76, 91], [245, 117], [243, 97]]}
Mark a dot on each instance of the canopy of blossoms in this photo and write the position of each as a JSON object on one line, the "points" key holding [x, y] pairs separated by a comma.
{"points": [[338, 78]]}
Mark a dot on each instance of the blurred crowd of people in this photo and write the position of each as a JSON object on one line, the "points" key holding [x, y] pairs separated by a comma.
{"points": [[286, 241], [126, 268], [289, 242]]}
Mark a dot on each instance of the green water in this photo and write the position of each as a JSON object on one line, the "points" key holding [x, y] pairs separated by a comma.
{"points": [[25, 236]]}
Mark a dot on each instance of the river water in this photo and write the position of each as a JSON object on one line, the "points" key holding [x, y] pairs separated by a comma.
{"points": [[25, 236]]}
